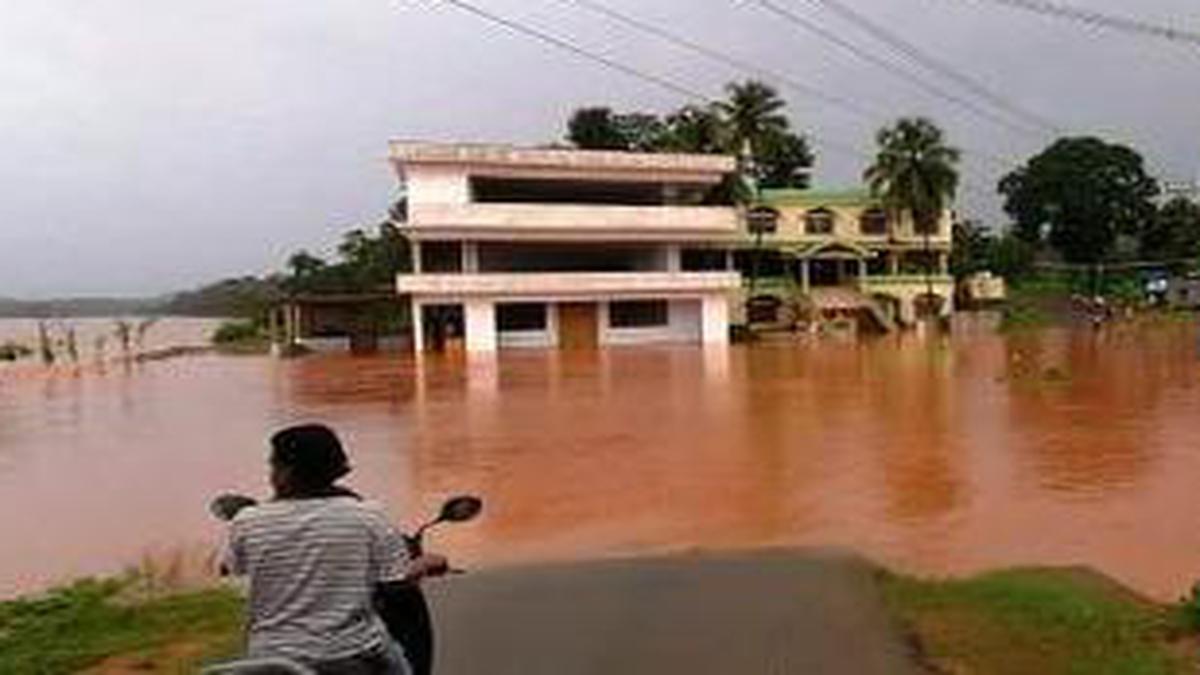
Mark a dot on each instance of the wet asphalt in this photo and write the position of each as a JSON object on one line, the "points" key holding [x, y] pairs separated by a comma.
{"points": [[752, 613]]}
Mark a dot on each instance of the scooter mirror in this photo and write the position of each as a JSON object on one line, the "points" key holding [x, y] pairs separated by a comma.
{"points": [[460, 509], [226, 506]]}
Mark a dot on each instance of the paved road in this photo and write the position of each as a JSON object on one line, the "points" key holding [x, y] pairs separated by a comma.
{"points": [[744, 614]]}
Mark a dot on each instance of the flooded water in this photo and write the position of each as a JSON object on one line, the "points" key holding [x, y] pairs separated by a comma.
{"points": [[938, 457]]}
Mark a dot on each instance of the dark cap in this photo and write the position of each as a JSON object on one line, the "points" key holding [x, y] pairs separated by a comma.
{"points": [[312, 451]]}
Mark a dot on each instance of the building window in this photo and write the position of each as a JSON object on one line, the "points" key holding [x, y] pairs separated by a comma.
{"points": [[819, 221], [930, 227], [638, 314], [521, 316], [874, 222], [441, 257], [762, 220], [703, 260]]}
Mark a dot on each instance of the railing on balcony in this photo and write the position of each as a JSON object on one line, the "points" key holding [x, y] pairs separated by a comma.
{"points": [[567, 283], [584, 218]]}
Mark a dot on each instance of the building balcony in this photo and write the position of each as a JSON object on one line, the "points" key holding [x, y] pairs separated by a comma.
{"points": [[908, 284], [570, 221], [554, 285]]}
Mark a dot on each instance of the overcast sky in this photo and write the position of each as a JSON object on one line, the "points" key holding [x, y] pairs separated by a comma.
{"points": [[152, 145]]}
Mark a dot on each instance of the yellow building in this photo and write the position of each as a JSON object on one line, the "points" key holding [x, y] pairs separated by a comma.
{"points": [[833, 253]]}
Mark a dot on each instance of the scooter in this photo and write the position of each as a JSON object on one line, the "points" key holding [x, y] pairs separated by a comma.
{"points": [[400, 603]]}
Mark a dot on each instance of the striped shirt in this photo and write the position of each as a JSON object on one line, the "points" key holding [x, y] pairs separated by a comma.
{"points": [[312, 565]]}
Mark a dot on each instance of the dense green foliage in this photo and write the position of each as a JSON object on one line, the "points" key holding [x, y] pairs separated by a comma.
{"points": [[977, 250], [242, 296], [749, 123], [366, 264], [1080, 195], [74, 627], [1034, 621], [915, 171], [238, 331], [1174, 232]]}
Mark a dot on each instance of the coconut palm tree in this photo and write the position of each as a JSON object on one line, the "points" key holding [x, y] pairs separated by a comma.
{"points": [[916, 173], [752, 114]]}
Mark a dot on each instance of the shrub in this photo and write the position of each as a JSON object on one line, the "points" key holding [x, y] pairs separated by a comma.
{"points": [[12, 351], [233, 332]]}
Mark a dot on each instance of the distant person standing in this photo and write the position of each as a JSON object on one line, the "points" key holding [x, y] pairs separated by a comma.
{"points": [[313, 556]]}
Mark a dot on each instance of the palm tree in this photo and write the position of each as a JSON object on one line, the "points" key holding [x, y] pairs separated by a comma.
{"points": [[752, 114], [915, 172]]}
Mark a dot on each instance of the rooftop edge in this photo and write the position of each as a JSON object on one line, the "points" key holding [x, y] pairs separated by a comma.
{"points": [[496, 154]]}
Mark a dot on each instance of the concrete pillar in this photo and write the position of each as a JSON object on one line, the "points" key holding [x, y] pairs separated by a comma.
{"points": [[714, 320], [470, 257], [893, 263], [943, 263], [728, 260], [805, 276], [862, 271], [416, 256], [480, 320], [908, 311], [674, 258], [418, 326]]}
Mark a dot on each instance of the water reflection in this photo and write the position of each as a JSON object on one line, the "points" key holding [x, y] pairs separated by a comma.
{"points": [[938, 456]]}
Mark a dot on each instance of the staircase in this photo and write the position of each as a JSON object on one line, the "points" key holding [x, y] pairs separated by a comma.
{"points": [[841, 298]]}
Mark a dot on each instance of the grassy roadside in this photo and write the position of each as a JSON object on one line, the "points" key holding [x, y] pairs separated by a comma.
{"points": [[115, 626], [1018, 622], [1047, 621]]}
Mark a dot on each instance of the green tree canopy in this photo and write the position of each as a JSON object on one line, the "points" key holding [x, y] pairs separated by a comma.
{"points": [[753, 113], [596, 128], [972, 248], [1174, 232], [1083, 193], [367, 263], [750, 120], [915, 171]]}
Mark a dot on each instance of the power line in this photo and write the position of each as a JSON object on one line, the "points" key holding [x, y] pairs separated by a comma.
{"points": [[607, 62], [515, 26], [724, 58], [889, 66], [744, 65], [566, 45], [932, 63], [1090, 17]]}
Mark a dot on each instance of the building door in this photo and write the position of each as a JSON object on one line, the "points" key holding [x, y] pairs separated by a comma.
{"points": [[578, 325]]}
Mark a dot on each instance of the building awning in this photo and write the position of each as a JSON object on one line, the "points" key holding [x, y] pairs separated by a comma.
{"points": [[833, 250]]}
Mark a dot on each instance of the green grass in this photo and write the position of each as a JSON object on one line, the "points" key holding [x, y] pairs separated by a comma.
{"points": [[72, 628], [1035, 621]]}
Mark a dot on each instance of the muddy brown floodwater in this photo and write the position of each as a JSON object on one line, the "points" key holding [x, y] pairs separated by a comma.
{"points": [[937, 457]]}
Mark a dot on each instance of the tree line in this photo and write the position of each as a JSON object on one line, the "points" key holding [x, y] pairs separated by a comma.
{"points": [[1082, 200]]}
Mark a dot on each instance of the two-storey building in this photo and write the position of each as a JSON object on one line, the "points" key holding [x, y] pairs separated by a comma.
{"points": [[840, 251], [565, 248]]}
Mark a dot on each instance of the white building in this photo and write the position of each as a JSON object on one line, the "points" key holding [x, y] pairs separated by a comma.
{"points": [[566, 248]]}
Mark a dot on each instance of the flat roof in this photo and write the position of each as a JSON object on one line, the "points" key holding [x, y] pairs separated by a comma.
{"points": [[818, 197], [499, 155]]}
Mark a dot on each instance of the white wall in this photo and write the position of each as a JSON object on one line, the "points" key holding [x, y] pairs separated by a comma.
{"points": [[436, 185], [683, 326]]}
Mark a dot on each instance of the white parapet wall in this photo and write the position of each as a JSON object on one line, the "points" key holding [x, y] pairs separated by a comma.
{"points": [[512, 287]]}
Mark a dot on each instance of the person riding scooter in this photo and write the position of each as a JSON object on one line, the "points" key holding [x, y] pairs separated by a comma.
{"points": [[313, 556]]}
